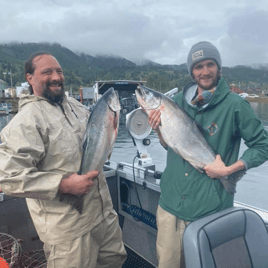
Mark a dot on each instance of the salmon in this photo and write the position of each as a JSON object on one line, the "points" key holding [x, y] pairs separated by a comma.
{"points": [[101, 132], [182, 134], [99, 139]]}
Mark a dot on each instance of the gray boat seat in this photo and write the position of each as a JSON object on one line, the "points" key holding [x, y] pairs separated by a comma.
{"points": [[232, 238]]}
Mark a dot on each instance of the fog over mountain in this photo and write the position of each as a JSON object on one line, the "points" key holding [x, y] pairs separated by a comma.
{"points": [[161, 32]]}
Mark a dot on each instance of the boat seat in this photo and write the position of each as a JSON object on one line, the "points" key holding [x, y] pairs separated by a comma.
{"points": [[233, 238]]}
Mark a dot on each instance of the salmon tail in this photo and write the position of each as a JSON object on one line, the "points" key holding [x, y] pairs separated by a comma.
{"points": [[79, 204], [230, 182], [76, 202], [230, 186]]}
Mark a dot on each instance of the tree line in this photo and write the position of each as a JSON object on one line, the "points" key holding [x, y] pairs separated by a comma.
{"points": [[84, 70]]}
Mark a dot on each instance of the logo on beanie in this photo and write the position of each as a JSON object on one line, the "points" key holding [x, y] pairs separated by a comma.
{"points": [[198, 54]]}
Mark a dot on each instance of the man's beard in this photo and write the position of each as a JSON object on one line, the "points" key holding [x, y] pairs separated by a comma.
{"points": [[213, 84], [56, 96]]}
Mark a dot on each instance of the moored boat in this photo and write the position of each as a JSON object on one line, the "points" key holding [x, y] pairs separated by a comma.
{"points": [[3, 112]]}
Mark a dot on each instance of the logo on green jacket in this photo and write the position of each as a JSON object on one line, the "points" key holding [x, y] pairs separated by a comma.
{"points": [[212, 128]]}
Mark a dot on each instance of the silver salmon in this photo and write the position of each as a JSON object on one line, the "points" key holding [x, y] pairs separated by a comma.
{"points": [[101, 132], [181, 133], [99, 139]]}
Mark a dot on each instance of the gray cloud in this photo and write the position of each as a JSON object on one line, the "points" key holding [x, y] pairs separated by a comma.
{"points": [[159, 31], [246, 40]]}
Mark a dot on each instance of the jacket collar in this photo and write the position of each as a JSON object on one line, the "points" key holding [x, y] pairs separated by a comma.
{"points": [[222, 90], [24, 99]]}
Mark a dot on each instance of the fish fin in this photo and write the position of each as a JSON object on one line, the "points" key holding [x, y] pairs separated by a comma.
{"points": [[79, 204], [109, 156], [76, 202], [200, 169], [236, 176], [229, 185], [230, 182]]}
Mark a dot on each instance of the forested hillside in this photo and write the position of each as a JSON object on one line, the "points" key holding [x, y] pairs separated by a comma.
{"points": [[84, 70]]}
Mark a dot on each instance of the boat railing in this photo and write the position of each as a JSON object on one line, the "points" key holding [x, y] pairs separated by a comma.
{"points": [[261, 212], [145, 174]]}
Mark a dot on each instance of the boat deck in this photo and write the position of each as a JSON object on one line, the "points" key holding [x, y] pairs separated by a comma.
{"points": [[128, 194], [134, 260]]}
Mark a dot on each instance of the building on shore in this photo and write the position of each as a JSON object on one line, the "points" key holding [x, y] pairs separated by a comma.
{"points": [[236, 89]]}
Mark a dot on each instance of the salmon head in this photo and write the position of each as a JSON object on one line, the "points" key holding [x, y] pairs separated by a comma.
{"points": [[112, 99], [148, 99]]}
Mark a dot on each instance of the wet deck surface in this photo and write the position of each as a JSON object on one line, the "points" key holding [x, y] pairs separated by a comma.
{"points": [[135, 261]]}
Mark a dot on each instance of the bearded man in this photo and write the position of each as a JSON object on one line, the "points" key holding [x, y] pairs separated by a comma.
{"points": [[226, 118], [40, 156]]}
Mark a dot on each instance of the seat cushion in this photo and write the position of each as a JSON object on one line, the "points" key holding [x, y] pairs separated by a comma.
{"points": [[235, 237]]}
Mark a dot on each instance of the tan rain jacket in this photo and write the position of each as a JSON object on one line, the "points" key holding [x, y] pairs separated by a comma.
{"points": [[40, 145]]}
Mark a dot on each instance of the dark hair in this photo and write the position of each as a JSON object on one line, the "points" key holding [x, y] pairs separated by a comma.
{"points": [[29, 66]]}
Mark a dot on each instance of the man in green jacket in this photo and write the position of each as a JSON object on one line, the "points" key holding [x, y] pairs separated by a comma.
{"points": [[40, 156], [187, 194]]}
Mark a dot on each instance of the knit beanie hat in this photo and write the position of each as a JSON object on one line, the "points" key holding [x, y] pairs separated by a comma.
{"points": [[202, 51]]}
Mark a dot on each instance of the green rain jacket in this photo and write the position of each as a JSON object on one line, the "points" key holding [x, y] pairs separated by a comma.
{"points": [[40, 145], [189, 194]]}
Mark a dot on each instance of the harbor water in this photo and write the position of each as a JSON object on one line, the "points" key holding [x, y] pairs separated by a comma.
{"points": [[251, 189]]}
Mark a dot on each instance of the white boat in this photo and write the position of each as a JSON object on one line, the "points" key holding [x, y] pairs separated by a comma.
{"points": [[135, 192]]}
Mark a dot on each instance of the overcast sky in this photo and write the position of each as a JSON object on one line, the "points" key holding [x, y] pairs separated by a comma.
{"points": [[161, 31]]}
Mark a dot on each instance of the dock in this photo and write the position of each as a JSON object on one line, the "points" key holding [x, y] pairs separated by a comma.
{"points": [[14, 102]]}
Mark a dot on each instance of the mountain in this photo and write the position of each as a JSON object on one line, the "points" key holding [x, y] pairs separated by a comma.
{"points": [[81, 69], [260, 66], [107, 61], [247, 74], [181, 67], [141, 62], [16, 52]]}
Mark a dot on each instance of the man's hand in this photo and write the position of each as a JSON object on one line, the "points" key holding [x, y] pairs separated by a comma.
{"points": [[78, 184], [217, 169], [155, 119]]}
